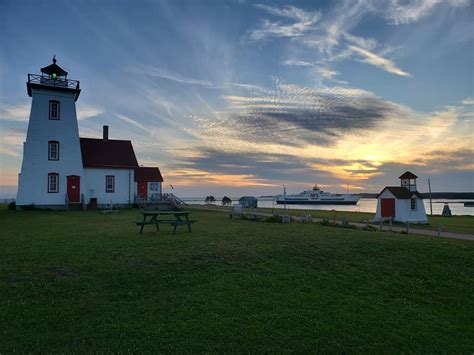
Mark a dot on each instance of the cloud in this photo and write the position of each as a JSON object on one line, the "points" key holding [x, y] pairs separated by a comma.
{"points": [[329, 35], [132, 122], [15, 113], [399, 12], [468, 101], [302, 22], [298, 63], [88, 111], [378, 61], [181, 79]]}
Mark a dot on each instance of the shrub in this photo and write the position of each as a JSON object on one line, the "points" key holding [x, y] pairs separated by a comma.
{"points": [[12, 206]]}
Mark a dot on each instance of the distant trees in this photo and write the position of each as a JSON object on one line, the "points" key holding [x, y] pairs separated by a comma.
{"points": [[226, 201], [210, 199]]}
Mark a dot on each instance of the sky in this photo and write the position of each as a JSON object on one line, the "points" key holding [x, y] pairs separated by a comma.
{"points": [[241, 97]]}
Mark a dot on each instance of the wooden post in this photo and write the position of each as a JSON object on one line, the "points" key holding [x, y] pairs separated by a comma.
{"points": [[408, 227], [439, 230], [431, 203], [381, 223], [390, 224]]}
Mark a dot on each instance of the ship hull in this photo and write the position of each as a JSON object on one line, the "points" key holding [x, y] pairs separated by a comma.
{"points": [[315, 202]]}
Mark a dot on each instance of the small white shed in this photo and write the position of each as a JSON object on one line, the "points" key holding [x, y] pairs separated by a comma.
{"points": [[402, 203]]}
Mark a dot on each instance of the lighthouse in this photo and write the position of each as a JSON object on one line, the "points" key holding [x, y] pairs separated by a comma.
{"points": [[62, 170], [52, 173]]}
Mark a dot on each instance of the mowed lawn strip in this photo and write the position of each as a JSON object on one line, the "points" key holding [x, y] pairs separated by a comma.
{"points": [[461, 224], [83, 281]]}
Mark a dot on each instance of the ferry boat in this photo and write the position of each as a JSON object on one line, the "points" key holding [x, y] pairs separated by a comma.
{"points": [[316, 196]]}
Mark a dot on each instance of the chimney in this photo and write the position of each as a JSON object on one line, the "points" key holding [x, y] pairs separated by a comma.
{"points": [[105, 133]]}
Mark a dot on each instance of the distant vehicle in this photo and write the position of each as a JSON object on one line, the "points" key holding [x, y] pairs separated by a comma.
{"points": [[316, 196]]}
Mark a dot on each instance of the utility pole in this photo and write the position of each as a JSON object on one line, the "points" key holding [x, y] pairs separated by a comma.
{"points": [[431, 203]]}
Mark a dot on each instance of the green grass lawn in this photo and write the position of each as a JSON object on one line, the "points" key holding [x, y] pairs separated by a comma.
{"points": [[87, 282], [461, 224]]}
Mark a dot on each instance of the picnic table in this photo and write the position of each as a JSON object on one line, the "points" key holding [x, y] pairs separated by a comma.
{"points": [[174, 218]]}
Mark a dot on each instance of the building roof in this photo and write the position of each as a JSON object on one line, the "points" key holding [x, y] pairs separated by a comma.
{"points": [[408, 175], [148, 174], [400, 192], [111, 153], [247, 198]]}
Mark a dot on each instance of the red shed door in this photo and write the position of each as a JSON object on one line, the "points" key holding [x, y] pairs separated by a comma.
{"points": [[74, 188], [142, 189], [388, 207]]}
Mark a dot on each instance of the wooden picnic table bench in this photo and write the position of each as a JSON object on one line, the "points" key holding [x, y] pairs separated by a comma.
{"points": [[174, 218]]}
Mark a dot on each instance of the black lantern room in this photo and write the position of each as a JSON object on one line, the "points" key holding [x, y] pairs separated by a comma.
{"points": [[54, 71]]}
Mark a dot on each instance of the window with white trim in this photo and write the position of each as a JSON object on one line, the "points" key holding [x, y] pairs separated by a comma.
{"points": [[54, 110], [110, 183], [413, 203], [53, 150], [53, 182]]}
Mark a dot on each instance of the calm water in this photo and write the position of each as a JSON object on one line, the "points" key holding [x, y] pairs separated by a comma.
{"points": [[364, 205]]}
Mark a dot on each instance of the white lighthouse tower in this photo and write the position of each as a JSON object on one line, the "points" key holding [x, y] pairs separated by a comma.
{"points": [[52, 172]]}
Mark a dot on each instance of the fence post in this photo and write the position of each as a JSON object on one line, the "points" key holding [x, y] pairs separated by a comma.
{"points": [[439, 230], [381, 224], [408, 227], [390, 224]]}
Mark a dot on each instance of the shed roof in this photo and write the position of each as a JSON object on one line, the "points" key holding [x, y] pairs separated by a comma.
{"points": [[148, 174], [408, 175], [247, 198], [111, 153], [400, 192]]}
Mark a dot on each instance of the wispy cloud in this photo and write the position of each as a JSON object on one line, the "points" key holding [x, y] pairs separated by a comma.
{"points": [[181, 79], [329, 35], [132, 122], [15, 113], [402, 12], [302, 21], [379, 61]]}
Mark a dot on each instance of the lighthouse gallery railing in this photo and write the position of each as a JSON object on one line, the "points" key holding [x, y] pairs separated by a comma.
{"points": [[44, 80]]}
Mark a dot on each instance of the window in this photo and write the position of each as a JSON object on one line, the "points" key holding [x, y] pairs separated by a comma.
{"points": [[53, 182], [53, 110], [53, 150], [110, 183], [413, 203]]}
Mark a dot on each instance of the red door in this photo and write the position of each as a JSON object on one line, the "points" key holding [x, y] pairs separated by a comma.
{"points": [[142, 190], [388, 207], [74, 188]]}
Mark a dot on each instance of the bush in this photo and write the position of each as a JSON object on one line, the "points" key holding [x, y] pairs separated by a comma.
{"points": [[12, 206]]}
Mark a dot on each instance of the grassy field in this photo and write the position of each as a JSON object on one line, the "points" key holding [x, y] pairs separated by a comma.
{"points": [[87, 282], [461, 224]]}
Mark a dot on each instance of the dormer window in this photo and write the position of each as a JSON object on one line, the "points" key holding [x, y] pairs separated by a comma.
{"points": [[53, 150], [54, 110]]}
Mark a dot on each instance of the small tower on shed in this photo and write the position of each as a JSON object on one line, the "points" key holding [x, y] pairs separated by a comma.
{"points": [[408, 181]]}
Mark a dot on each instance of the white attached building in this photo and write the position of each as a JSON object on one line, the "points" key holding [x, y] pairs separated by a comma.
{"points": [[60, 169], [402, 203]]}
